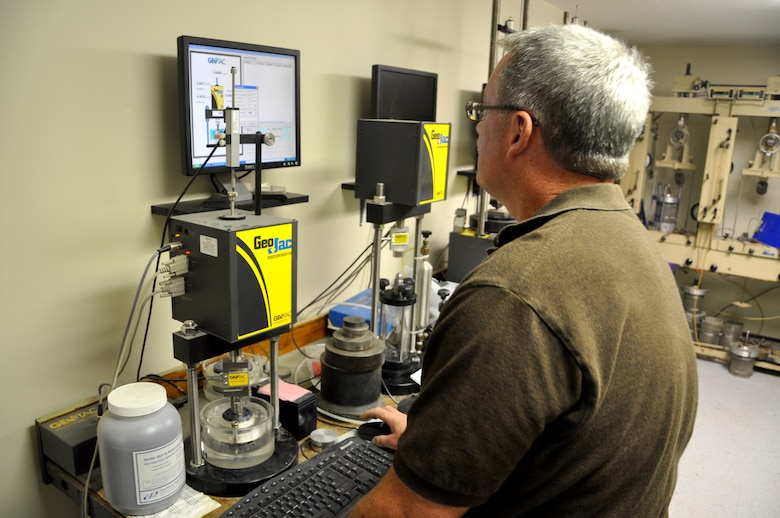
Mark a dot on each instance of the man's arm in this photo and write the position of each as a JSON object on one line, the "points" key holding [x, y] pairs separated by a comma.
{"points": [[392, 498]]}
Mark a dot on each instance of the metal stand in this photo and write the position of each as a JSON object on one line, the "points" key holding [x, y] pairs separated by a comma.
{"points": [[238, 482], [191, 346]]}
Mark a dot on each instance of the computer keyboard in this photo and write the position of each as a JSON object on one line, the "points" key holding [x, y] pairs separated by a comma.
{"points": [[326, 485]]}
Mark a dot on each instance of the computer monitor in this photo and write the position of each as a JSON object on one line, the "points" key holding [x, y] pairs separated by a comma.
{"points": [[404, 94], [267, 94]]}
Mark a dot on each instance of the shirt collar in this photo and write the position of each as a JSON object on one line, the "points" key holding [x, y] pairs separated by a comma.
{"points": [[598, 196]]}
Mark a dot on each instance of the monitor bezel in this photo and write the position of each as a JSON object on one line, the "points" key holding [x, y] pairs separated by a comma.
{"points": [[378, 89], [185, 101]]}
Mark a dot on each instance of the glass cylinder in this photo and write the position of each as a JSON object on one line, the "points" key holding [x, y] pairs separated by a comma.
{"points": [[666, 205], [395, 319], [395, 328]]}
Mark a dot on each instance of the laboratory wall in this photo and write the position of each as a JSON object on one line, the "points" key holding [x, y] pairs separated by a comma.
{"points": [[90, 143]]}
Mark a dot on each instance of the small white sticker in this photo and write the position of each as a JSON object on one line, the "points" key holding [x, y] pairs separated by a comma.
{"points": [[209, 246]]}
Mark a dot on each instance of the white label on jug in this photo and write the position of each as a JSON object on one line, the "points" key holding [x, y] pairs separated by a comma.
{"points": [[159, 471]]}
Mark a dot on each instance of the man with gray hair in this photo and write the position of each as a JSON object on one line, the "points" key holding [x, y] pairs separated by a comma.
{"points": [[560, 379]]}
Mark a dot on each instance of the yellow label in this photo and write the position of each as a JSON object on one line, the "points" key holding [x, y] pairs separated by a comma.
{"points": [[436, 137], [268, 252], [239, 379], [400, 238]]}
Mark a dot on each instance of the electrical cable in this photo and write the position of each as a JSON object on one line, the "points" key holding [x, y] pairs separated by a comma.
{"points": [[300, 448], [138, 292], [336, 419], [127, 347], [172, 382], [469, 190], [335, 288], [295, 342], [335, 292], [327, 291], [387, 391], [84, 507], [217, 188], [754, 298], [120, 363], [162, 241]]}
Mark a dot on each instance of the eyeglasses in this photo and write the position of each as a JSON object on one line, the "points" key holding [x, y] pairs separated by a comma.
{"points": [[476, 111]]}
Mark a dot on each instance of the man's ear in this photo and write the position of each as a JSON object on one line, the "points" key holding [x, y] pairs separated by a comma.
{"points": [[520, 129]]}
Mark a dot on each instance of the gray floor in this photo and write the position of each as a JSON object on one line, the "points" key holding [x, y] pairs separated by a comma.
{"points": [[732, 465]]}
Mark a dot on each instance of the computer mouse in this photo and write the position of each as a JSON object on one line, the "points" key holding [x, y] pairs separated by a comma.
{"points": [[371, 429], [405, 404]]}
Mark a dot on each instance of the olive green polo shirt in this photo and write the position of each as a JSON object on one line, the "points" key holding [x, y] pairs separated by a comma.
{"points": [[560, 379]]}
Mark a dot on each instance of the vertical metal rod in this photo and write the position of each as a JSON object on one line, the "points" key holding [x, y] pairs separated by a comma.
{"points": [[196, 460], [232, 193], [275, 380], [236, 402], [482, 202], [375, 259], [482, 211], [524, 15], [494, 34], [418, 287]]}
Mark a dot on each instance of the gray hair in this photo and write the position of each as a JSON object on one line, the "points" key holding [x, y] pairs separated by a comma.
{"points": [[589, 92]]}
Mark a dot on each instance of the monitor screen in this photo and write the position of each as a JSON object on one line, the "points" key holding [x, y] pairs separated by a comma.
{"points": [[267, 95], [404, 94]]}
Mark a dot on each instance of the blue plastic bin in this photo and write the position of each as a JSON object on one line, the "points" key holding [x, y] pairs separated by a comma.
{"points": [[769, 231]]}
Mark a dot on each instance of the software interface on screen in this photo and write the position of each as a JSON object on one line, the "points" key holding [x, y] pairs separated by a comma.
{"points": [[264, 94]]}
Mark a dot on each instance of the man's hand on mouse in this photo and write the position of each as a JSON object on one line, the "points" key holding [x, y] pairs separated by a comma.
{"points": [[394, 419]]}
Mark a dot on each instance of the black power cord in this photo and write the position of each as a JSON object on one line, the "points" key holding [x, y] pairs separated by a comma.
{"points": [[162, 243]]}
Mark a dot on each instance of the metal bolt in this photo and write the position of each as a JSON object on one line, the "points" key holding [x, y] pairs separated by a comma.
{"points": [[189, 327]]}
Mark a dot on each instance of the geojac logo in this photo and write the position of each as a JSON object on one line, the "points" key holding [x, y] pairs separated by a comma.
{"points": [[443, 139], [216, 61], [274, 245]]}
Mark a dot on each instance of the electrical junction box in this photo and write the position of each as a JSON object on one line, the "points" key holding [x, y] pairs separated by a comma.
{"points": [[69, 439], [241, 279], [410, 158]]}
